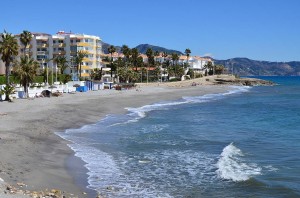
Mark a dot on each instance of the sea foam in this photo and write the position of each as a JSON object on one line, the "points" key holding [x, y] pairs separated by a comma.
{"points": [[232, 166], [140, 112]]}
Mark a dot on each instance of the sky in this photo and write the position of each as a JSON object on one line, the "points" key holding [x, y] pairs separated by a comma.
{"points": [[257, 29]]}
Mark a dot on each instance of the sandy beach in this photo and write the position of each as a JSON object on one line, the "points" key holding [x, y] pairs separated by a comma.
{"points": [[34, 156]]}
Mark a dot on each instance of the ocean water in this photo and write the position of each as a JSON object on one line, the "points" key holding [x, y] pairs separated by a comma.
{"points": [[243, 143]]}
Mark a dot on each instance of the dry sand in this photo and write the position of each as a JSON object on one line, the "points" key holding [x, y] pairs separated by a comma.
{"points": [[31, 153]]}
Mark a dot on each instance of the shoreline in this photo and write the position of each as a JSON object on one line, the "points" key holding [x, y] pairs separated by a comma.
{"points": [[33, 154]]}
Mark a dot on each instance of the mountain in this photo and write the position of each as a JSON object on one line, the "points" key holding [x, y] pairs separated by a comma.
{"points": [[105, 47], [248, 67], [142, 48]]}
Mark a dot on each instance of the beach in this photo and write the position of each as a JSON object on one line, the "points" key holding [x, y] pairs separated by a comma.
{"points": [[33, 155]]}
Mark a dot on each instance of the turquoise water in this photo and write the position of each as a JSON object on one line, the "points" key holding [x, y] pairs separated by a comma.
{"points": [[244, 143]]}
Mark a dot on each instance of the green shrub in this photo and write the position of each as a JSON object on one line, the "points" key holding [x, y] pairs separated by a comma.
{"points": [[3, 81]]}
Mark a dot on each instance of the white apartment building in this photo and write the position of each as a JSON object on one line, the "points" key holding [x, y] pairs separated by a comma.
{"points": [[45, 47]]}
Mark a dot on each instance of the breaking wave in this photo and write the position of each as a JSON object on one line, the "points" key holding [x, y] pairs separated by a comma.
{"points": [[232, 165]]}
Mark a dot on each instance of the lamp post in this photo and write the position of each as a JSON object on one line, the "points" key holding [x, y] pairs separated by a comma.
{"points": [[56, 72], [47, 71], [52, 75]]}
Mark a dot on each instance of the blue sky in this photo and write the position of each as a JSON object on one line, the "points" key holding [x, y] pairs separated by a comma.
{"points": [[257, 29]]}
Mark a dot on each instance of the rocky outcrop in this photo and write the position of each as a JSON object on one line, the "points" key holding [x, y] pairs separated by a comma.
{"points": [[244, 81]]}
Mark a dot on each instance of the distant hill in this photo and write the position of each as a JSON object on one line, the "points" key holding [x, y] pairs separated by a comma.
{"points": [[105, 47], [248, 67], [142, 48]]}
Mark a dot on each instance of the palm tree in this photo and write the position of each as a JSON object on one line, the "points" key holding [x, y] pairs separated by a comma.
{"points": [[111, 50], [174, 57], [78, 60], [62, 63], [8, 49], [127, 52], [135, 57], [164, 55], [96, 74], [210, 67], [187, 53], [25, 71], [119, 64], [25, 38], [149, 54]]}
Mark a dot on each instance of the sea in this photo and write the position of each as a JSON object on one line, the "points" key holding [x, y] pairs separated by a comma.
{"points": [[242, 143]]}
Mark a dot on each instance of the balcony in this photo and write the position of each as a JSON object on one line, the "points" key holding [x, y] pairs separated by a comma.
{"points": [[59, 44], [60, 52], [85, 74], [41, 53], [42, 45], [87, 59], [84, 44], [85, 67]]}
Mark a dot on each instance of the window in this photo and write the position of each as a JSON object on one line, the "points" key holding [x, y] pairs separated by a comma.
{"points": [[73, 48], [54, 41]]}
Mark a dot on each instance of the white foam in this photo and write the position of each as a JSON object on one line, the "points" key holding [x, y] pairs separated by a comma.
{"points": [[140, 112], [232, 166]]}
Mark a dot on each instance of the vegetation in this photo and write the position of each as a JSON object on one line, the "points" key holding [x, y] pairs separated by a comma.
{"points": [[111, 50], [25, 39], [219, 69], [8, 49], [96, 74], [7, 90], [187, 53], [62, 63], [25, 71], [78, 60]]}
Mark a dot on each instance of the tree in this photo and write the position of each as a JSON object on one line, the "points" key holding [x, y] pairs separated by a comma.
{"points": [[135, 57], [62, 63], [175, 58], [187, 53], [25, 71], [209, 66], [78, 60], [8, 49], [127, 52], [25, 38], [111, 50], [165, 62], [119, 64], [96, 74], [219, 69], [113, 68], [150, 55], [176, 71]]}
